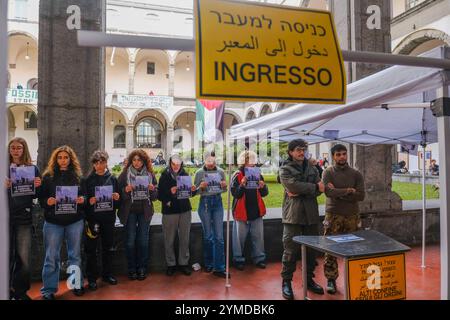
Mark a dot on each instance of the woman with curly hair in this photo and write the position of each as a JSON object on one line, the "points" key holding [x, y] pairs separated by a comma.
{"points": [[63, 169], [137, 184]]}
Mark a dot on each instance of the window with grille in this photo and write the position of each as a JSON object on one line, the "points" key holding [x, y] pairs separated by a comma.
{"points": [[148, 134], [119, 137]]}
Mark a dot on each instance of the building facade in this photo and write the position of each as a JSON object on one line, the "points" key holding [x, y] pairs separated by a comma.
{"points": [[150, 94]]}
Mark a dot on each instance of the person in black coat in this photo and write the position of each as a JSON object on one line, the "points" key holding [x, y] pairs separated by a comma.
{"points": [[100, 219], [176, 216], [20, 222], [64, 220]]}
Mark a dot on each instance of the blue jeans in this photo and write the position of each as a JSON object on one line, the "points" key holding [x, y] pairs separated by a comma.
{"points": [[210, 211], [54, 235], [137, 242], [240, 231]]}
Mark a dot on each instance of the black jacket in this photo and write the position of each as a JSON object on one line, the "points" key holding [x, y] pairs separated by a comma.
{"points": [[170, 203], [20, 208], [48, 189], [92, 181]]}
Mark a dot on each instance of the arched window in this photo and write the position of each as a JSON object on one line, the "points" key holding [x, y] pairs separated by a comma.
{"points": [[148, 134], [119, 137], [265, 110], [251, 115], [32, 84], [30, 120]]}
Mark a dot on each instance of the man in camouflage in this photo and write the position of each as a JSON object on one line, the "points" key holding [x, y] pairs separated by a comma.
{"points": [[344, 188]]}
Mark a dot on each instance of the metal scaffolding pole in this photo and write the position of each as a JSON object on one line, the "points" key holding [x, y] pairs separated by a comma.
{"points": [[4, 214], [100, 39]]}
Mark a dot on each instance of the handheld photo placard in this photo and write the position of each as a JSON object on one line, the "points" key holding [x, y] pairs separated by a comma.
{"points": [[66, 199], [22, 181]]}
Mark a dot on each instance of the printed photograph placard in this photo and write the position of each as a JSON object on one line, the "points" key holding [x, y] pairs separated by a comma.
{"points": [[103, 195], [184, 184], [66, 199], [253, 175], [213, 180], [140, 187], [22, 181]]}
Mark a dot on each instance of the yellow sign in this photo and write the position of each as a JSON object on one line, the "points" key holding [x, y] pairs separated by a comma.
{"points": [[377, 278], [260, 52]]}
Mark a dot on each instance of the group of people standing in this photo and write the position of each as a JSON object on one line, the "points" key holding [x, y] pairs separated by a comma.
{"points": [[343, 187], [86, 226]]}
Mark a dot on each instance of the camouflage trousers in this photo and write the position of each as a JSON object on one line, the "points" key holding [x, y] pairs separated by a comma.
{"points": [[337, 224]]}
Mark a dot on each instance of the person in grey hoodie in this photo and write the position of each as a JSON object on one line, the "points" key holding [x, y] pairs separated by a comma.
{"points": [[210, 179]]}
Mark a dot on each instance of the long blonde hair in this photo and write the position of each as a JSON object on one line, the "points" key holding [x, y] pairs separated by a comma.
{"points": [[25, 159], [74, 165]]}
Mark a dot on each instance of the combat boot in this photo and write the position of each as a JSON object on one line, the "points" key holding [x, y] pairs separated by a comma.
{"points": [[314, 287], [286, 289], [331, 286]]}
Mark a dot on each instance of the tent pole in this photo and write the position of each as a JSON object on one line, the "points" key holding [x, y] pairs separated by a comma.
{"points": [[227, 279], [442, 111], [4, 216], [424, 206]]}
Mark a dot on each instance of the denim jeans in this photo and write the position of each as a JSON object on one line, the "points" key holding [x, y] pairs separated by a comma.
{"points": [[20, 249], [210, 211], [137, 242], [54, 235], [240, 231]]}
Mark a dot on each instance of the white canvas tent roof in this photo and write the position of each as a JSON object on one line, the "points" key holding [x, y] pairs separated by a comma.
{"points": [[361, 119]]}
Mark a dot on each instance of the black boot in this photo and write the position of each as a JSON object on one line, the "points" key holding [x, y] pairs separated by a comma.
{"points": [[286, 289], [331, 286], [314, 287]]}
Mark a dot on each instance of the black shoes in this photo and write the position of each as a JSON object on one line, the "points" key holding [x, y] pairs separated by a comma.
{"points": [[331, 286], [221, 274], [238, 265], [78, 292], [109, 279], [208, 269], [92, 285], [286, 290], [132, 275], [261, 265], [186, 270], [171, 270], [49, 296], [314, 287], [22, 296], [141, 275]]}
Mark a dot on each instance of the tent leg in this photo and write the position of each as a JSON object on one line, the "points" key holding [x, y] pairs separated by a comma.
{"points": [[424, 206], [227, 279], [443, 122], [4, 216]]}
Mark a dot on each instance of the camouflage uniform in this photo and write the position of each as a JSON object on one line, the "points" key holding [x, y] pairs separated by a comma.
{"points": [[337, 224]]}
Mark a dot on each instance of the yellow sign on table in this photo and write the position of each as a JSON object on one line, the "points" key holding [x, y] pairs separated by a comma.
{"points": [[377, 278], [260, 52]]}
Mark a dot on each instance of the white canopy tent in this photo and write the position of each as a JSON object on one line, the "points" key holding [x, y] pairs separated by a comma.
{"points": [[384, 108]]}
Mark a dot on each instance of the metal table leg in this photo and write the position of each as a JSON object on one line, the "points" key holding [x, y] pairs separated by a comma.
{"points": [[345, 278], [304, 273]]}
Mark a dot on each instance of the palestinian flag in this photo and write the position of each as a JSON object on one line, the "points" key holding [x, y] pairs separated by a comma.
{"points": [[209, 117]]}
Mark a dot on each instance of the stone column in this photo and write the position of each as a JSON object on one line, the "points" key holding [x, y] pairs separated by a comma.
{"points": [[169, 140], [131, 75], [129, 137], [364, 25], [171, 77], [71, 79]]}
